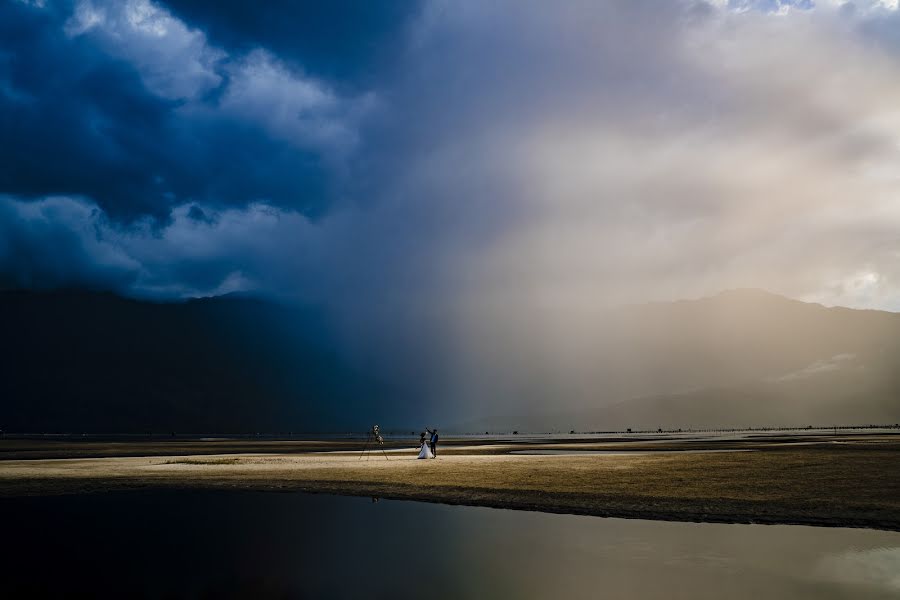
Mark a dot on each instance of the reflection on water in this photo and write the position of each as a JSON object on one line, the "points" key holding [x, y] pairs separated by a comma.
{"points": [[589, 452], [255, 544], [874, 566]]}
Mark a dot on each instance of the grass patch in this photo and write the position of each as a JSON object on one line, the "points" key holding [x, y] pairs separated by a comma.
{"points": [[203, 461]]}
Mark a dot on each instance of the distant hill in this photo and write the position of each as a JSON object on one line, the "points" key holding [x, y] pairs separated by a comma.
{"points": [[740, 358], [77, 361]]}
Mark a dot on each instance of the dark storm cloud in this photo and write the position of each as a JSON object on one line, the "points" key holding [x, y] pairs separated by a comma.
{"points": [[72, 119], [87, 111], [343, 40], [511, 150], [67, 242], [57, 243]]}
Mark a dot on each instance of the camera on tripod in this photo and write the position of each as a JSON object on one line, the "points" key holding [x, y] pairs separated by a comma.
{"points": [[374, 438]]}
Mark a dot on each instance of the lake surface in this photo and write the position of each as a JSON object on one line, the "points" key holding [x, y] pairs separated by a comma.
{"points": [[589, 452], [257, 544]]}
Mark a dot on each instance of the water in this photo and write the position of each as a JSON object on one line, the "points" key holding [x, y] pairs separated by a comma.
{"points": [[256, 544], [589, 452]]}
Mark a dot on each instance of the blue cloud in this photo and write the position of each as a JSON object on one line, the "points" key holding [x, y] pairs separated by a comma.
{"points": [[59, 242], [125, 104], [345, 41]]}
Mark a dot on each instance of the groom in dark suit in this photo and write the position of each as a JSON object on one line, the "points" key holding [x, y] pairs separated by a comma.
{"points": [[433, 442]]}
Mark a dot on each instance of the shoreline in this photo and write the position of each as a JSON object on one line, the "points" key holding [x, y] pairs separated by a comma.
{"points": [[680, 517], [813, 482], [537, 502]]}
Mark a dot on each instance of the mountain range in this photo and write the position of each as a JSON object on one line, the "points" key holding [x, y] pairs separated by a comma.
{"points": [[96, 362], [742, 358], [77, 361]]}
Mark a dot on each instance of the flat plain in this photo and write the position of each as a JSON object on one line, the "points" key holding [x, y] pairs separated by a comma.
{"points": [[844, 479]]}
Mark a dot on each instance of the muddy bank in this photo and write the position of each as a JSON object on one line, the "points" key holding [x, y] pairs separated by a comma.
{"points": [[847, 484]]}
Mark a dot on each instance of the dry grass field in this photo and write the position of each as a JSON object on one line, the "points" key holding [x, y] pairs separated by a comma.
{"points": [[822, 480]]}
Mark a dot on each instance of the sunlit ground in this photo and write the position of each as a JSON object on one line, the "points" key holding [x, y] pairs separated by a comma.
{"points": [[829, 480]]}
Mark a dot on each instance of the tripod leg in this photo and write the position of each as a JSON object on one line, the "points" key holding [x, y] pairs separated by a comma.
{"points": [[366, 447], [385, 453]]}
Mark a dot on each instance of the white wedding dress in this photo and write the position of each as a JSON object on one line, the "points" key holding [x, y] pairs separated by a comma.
{"points": [[425, 452]]}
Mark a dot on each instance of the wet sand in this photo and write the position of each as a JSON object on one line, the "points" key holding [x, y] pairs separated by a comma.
{"points": [[844, 480]]}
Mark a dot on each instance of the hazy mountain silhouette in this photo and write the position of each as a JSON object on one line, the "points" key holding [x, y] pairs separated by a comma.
{"points": [[84, 361], [95, 362], [740, 358]]}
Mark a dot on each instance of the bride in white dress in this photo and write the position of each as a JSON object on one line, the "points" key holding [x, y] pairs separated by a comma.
{"points": [[425, 452]]}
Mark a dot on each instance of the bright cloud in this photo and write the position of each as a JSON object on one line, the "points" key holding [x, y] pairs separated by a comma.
{"points": [[177, 62], [565, 157], [174, 60]]}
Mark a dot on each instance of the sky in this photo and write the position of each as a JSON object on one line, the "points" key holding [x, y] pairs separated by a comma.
{"points": [[452, 155], [436, 173]]}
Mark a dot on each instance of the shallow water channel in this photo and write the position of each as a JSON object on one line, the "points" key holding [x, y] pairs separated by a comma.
{"points": [[258, 544]]}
